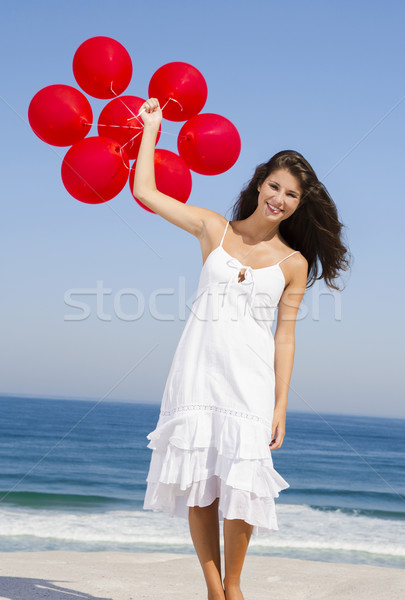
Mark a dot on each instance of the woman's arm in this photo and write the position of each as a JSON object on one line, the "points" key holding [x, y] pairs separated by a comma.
{"points": [[284, 341], [193, 219]]}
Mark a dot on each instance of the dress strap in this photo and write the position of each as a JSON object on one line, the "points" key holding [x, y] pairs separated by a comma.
{"points": [[288, 256], [226, 227]]}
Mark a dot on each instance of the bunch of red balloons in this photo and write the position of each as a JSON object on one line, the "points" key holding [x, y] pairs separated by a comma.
{"points": [[95, 169]]}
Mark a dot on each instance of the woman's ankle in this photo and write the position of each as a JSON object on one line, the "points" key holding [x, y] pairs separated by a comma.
{"points": [[232, 590]]}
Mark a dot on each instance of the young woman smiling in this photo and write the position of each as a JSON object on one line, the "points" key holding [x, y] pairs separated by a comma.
{"points": [[224, 404]]}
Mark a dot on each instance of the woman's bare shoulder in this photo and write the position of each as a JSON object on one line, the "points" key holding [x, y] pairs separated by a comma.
{"points": [[296, 269], [296, 255]]}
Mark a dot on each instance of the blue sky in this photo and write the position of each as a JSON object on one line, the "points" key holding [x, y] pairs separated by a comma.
{"points": [[325, 79]]}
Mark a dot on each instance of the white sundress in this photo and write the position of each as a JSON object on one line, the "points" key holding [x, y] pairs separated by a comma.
{"points": [[214, 428]]}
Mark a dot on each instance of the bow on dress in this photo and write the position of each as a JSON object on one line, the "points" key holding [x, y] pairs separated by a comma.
{"points": [[248, 280]]}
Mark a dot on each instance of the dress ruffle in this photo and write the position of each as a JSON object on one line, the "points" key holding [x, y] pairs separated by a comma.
{"points": [[202, 455]]}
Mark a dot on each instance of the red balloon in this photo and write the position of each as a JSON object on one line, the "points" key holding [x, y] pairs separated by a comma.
{"points": [[172, 177], [209, 144], [60, 115], [102, 67], [116, 121], [95, 170], [184, 84]]}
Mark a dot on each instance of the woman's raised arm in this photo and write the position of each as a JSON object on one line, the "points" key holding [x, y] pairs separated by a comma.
{"points": [[193, 219]]}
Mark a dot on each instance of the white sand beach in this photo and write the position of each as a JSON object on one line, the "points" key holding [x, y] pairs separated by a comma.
{"points": [[59, 575]]}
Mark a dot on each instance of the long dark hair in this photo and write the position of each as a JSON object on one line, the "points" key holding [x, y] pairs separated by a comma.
{"points": [[314, 228]]}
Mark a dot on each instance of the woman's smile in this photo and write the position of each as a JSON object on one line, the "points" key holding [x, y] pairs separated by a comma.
{"points": [[273, 209]]}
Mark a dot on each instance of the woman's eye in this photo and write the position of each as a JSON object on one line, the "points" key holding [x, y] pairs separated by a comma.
{"points": [[273, 186]]}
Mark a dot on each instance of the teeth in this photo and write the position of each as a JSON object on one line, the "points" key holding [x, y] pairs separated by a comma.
{"points": [[273, 208]]}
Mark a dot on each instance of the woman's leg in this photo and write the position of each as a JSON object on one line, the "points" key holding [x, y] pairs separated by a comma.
{"points": [[236, 541], [204, 529]]}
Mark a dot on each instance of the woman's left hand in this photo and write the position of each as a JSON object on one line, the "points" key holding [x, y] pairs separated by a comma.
{"points": [[278, 426]]}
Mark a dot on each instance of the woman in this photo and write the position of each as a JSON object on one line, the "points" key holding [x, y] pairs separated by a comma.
{"points": [[225, 399]]}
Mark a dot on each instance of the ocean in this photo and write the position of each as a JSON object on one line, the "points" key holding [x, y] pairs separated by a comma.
{"points": [[72, 477]]}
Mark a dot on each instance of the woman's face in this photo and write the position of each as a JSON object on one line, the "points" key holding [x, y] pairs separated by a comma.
{"points": [[279, 195]]}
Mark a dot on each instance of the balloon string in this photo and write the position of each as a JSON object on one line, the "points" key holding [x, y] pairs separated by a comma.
{"points": [[173, 100], [123, 146], [123, 161], [133, 127], [139, 121], [127, 107], [135, 136], [171, 133], [139, 114], [163, 107], [121, 126]]}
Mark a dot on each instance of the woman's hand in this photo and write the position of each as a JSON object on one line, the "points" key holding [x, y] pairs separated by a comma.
{"points": [[278, 426], [151, 113]]}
